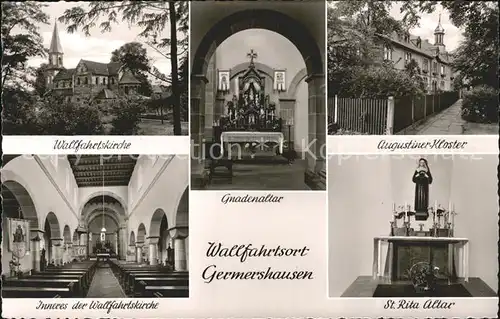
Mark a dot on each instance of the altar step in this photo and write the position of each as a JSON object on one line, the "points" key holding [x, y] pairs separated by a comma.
{"points": [[260, 176], [260, 159]]}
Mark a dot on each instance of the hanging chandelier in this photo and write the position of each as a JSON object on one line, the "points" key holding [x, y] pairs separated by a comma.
{"points": [[103, 229]]}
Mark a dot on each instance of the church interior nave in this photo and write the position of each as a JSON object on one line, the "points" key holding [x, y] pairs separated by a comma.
{"points": [[95, 226]]}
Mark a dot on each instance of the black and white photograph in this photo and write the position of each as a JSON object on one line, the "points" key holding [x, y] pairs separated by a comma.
{"points": [[95, 226], [413, 226], [258, 109], [95, 68], [412, 67]]}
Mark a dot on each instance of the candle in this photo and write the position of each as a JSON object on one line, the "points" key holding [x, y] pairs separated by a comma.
{"points": [[393, 207], [435, 206], [449, 206]]}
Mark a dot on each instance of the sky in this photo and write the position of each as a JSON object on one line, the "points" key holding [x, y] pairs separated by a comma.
{"points": [[429, 22], [96, 47]]}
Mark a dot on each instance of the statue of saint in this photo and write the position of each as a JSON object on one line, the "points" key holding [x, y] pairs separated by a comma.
{"points": [[422, 178]]}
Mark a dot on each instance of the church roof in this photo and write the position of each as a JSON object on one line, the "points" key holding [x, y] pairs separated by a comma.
{"points": [[55, 43], [128, 78], [99, 68], [426, 48], [64, 74]]}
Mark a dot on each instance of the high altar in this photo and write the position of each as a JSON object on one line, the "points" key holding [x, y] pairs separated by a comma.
{"points": [[250, 118]]}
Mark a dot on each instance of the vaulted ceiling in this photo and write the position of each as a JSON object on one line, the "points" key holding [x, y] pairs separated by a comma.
{"points": [[102, 170]]}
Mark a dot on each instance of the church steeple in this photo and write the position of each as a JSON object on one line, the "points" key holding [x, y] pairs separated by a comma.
{"points": [[439, 34], [55, 63], [55, 49]]}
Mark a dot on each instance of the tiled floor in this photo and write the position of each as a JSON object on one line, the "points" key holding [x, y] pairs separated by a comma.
{"points": [[105, 285]]}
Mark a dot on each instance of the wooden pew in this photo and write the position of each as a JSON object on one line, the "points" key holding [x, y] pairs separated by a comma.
{"points": [[140, 284], [166, 291], [82, 285], [72, 284], [36, 292]]}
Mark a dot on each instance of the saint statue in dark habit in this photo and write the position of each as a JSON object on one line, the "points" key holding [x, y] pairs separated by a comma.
{"points": [[422, 179]]}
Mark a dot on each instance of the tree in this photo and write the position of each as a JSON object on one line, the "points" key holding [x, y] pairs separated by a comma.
{"points": [[152, 16], [18, 47], [133, 56], [40, 82], [18, 112]]}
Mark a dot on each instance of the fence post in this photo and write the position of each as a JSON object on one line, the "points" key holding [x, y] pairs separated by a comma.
{"points": [[425, 106], [412, 110], [389, 129], [335, 110]]}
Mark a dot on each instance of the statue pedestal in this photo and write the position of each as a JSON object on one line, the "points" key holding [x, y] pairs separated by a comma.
{"points": [[403, 251]]}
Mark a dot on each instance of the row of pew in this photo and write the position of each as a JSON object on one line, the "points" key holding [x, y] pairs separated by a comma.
{"points": [[70, 281], [151, 281]]}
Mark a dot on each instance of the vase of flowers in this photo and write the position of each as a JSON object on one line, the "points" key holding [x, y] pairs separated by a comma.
{"points": [[252, 148]]}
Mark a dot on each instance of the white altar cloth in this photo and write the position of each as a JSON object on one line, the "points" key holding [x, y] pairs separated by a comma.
{"points": [[257, 137]]}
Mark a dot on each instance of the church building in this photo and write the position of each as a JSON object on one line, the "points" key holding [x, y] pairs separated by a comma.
{"points": [[92, 79], [90, 220], [433, 60]]}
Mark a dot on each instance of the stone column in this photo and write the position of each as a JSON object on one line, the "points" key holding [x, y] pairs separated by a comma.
{"points": [[198, 173], [36, 237], [116, 242], [316, 147], [56, 246], [123, 242], [219, 108], [70, 253], [134, 257], [153, 250], [138, 247], [180, 257]]}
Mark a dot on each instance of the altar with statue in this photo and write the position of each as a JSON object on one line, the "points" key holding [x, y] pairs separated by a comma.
{"points": [[422, 255], [250, 120]]}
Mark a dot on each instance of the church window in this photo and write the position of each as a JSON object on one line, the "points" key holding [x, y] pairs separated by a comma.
{"points": [[434, 67], [443, 69], [96, 80], [78, 81], [104, 81], [57, 84], [425, 65], [60, 60], [387, 53], [112, 80], [407, 57], [86, 81]]}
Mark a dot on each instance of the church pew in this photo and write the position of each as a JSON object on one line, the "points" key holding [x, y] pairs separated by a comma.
{"points": [[72, 284], [166, 291], [83, 285], [130, 276], [140, 284], [85, 274], [36, 292]]}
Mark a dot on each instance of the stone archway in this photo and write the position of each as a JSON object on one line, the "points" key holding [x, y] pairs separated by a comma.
{"points": [[53, 240], [18, 203], [131, 252], [306, 44], [132, 238], [67, 244], [159, 225], [180, 233], [139, 243]]}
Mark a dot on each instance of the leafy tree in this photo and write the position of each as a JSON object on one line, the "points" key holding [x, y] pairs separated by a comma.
{"points": [[40, 82], [21, 39], [153, 17], [57, 116], [133, 56], [18, 112], [126, 112]]}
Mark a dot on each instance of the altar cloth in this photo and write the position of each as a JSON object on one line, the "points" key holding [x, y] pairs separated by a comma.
{"points": [[257, 137]]}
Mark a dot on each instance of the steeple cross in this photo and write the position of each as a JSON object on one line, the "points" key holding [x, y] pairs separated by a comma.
{"points": [[252, 55]]}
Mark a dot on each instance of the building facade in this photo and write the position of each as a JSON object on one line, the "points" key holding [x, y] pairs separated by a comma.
{"points": [[433, 60], [89, 79]]}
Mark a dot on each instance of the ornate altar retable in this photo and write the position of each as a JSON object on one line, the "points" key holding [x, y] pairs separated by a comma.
{"points": [[250, 117]]}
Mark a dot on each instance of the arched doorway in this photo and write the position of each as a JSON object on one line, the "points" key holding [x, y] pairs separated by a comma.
{"points": [[103, 217], [131, 252], [180, 233], [158, 236], [53, 240], [254, 16], [139, 244], [17, 204]]}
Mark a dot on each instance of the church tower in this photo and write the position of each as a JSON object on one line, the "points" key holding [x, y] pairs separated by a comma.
{"points": [[439, 36], [55, 56]]}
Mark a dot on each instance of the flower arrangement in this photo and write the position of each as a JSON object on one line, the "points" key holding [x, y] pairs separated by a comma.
{"points": [[252, 148], [423, 275]]}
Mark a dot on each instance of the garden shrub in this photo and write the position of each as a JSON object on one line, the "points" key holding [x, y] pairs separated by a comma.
{"points": [[480, 105]]}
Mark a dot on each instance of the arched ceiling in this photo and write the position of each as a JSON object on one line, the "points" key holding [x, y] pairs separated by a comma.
{"points": [[89, 169]]}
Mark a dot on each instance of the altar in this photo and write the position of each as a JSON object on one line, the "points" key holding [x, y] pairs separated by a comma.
{"points": [[261, 138], [398, 269]]}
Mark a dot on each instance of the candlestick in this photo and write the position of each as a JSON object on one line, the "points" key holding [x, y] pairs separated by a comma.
{"points": [[435, 206]]}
